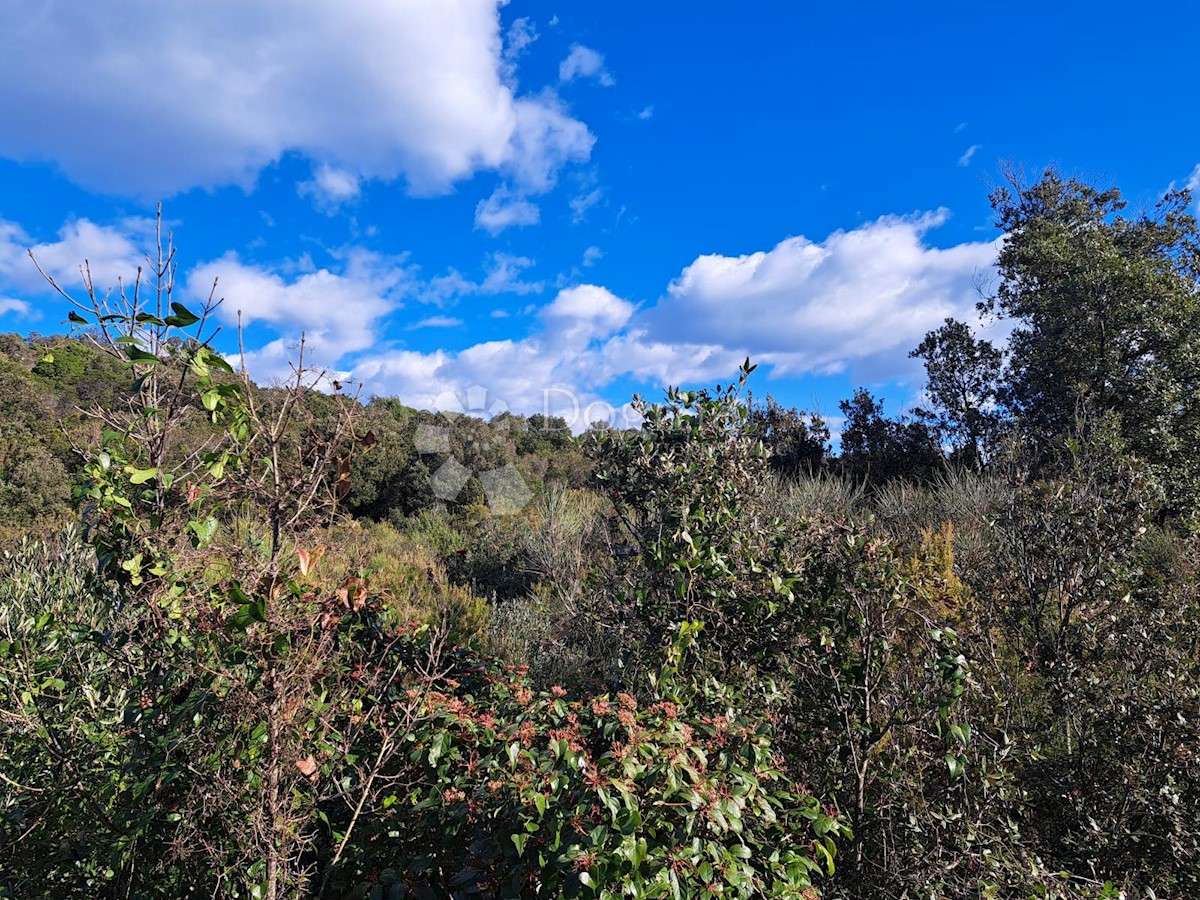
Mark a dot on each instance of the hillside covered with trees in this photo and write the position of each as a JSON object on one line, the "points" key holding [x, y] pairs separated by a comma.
{"points": [[287, 641]]}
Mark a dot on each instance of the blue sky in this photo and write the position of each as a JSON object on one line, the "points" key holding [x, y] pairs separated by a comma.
{"points": [[566, 202]]}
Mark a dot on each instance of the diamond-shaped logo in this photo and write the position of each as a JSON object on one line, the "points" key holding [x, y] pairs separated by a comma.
{"points": [[505, 489]]}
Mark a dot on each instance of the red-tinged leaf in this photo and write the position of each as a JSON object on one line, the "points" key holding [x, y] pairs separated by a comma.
{"points": [[308, 768]]}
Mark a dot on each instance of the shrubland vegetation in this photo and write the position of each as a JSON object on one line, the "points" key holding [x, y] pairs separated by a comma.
{"points": [[247, 649]]}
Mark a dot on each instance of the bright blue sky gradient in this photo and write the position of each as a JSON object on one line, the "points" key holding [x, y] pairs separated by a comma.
{"points": [[570, 197]]}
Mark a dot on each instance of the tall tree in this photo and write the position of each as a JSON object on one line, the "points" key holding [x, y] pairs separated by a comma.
{"points": [[1106, 309], [963, 378]]}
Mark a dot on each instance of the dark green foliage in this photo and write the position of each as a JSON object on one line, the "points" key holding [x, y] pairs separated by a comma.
{"points": [[877, 449], [391, 480], [798, 442], [1099, 669], [1106, 316], [219, 707]]}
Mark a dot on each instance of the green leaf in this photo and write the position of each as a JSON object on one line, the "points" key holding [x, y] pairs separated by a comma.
{"points": [[140, 356], [210, 399], [140, 476], [183, 316], [75, 317], [640, 851], [204, 530], [148, 319], [441, 744], [954, 763]]}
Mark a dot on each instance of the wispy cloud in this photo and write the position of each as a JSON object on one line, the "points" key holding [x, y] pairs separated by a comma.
{"points": [[584, 62], [503, 275], [505, 209], [331, 188], [13, 305], [520, 36], [581, 204], [965, 159], [436, 322]]}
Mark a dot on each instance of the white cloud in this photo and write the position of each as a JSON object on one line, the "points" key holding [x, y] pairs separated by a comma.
{"points": [[858, 297], [230, 87], [15, 306], [1193, 185], [337, 310], [545, 138], [547, 371], [646, 112], [591, 256], [112, 254], [331, 188], [859, 300], [504, 209], [965, 159], [581, 204], [520, 36], [504, 276], [436, 322], [584, 62], [585, 311]]}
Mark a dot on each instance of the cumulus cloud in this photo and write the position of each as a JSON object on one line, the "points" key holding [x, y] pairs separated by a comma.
{"points": [[426, 95], [338, 310], [584, 62], [858, 300], [547, 371], [545, 138], [818, 307], [112, 254]]}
